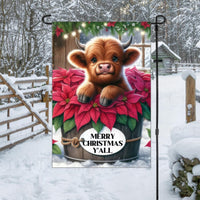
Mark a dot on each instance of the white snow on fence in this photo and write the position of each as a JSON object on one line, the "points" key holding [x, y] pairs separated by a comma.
{"points": [[187, 73]]}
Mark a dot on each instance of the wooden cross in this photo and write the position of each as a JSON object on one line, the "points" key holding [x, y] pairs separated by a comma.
{"points": [[143, 46]]}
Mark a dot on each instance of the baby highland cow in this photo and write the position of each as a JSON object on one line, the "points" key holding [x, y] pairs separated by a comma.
{"points": [[103, 59]]}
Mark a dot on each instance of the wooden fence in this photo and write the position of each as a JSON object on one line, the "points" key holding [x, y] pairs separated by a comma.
{"points": [[179, 67], [21, 109]]}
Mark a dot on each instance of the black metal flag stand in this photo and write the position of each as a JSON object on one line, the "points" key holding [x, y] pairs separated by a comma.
{"points": [[157, 103], [161, 21]]}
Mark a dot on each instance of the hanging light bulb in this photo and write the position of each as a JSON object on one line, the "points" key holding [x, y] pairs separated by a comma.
{"points": [[65, 36], [83, 24], [105, 24], [137, 29], [142, 33], [79, 30], [73, 33]]}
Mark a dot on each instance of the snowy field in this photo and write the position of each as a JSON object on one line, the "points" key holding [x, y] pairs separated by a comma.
{"points": [[26, 171]]}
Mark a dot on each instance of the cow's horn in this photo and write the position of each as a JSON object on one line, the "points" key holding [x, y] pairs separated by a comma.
{"points": [[127, 44], [79, 45]]}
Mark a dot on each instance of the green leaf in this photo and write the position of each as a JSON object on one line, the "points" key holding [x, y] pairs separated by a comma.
{"points": [[146, 111], [69, 124], [132, 123], [53, 104], [56, 149], [122, 119], [97, 126], [149, 132], [57, 122]]}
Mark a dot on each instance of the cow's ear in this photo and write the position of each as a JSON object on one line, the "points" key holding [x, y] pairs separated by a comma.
{"points": [[130, 56], [77, 58]]}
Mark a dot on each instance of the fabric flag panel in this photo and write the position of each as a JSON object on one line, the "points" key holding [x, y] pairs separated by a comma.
{"points": [[101, 94]]}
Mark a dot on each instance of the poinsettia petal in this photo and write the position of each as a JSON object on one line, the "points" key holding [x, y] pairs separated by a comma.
{"points": [[67, 81], [54, 141], [84, 108], [62, 103], [73, 92], [148, 100], [63, 95], [122, 110], [95, 114], [133, 98], [74, 100], [108, 119], [77, 79], [69, 113], [56, 79], [66, 88], [132, 110], [106, 110], [139, 107], [148, 144], [82, 119], [57, 110], [56, 96]]}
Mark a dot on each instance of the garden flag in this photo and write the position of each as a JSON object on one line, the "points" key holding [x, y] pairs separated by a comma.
{"points": [[101, 93]]}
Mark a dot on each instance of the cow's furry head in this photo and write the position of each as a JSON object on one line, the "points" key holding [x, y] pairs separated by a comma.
{"points": [[103, 59]]}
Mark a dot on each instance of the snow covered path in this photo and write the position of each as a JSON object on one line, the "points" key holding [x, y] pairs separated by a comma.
{"points": [[26, 171]]}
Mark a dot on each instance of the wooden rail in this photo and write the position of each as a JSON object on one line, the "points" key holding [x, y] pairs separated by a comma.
{"points": [[22, 140], [179, 67], [27, 103]]}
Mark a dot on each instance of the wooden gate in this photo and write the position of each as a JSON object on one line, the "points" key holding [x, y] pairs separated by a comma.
{"points": [[24, 111]]}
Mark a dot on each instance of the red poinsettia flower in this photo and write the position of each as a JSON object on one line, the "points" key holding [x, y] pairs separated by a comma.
{"points": [[106, 30], [94, 111], [63, 98], [141, 82], [134, 78], [86, 112], [58, 31], [130, 104], [111, 24], [108, 116], [148, 144], [57, 86], [146, 92], [145, 24], [71, 77], [54, 141]]}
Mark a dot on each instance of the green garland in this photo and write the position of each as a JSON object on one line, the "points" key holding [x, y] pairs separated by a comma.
{"points": [[95, 27]]}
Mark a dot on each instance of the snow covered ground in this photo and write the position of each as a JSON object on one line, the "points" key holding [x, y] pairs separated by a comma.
{"points": [[26, 170]]}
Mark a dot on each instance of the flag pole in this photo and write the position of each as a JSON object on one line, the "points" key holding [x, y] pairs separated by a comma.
{"points": [[157, 102]]}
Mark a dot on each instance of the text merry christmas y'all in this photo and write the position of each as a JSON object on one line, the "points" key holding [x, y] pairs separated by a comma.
{"points": [[104, 139]]}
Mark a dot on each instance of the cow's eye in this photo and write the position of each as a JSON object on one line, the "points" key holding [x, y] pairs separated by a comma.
{"points": [[114, 58], [94, 60]]}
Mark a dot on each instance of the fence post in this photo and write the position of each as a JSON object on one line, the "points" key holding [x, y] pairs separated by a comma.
{"points": [[190, 99], [47, 74]]}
